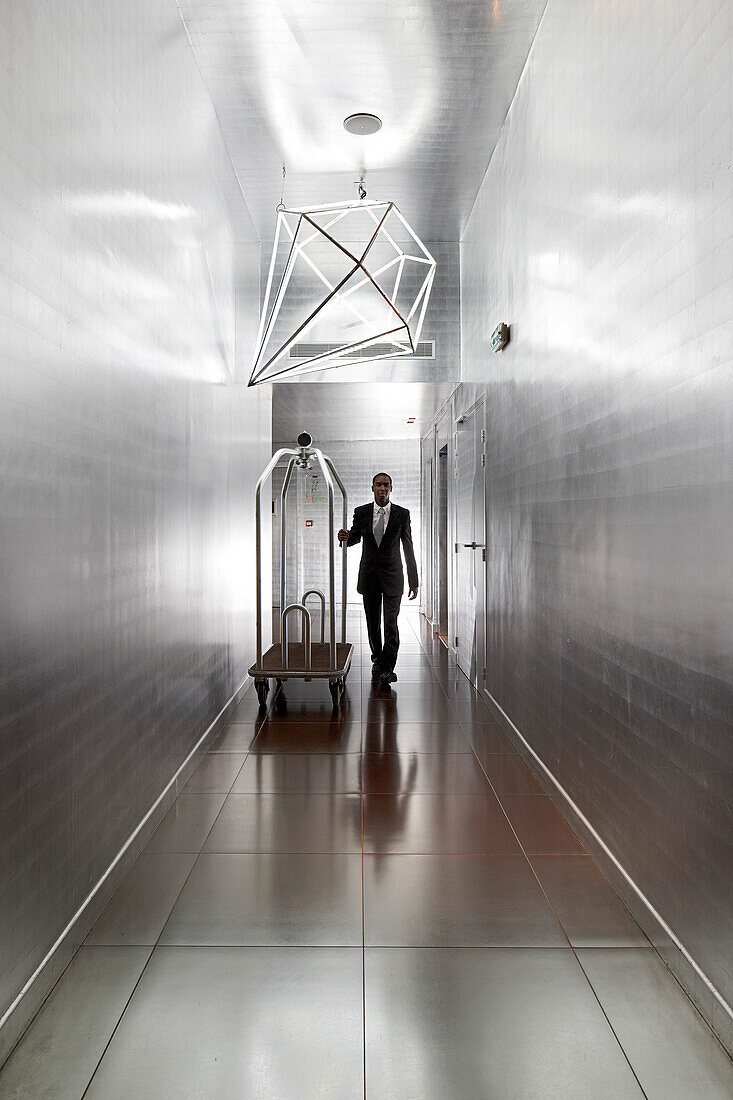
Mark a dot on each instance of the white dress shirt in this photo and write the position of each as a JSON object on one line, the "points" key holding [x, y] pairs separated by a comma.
{"points": [[375, 516]]}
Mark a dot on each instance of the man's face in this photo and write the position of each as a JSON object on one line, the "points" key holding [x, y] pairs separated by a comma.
{"points": [[381, 487]]}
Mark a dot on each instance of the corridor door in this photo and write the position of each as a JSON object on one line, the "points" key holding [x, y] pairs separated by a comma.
{"points": [[471, 544], [427, 520]]}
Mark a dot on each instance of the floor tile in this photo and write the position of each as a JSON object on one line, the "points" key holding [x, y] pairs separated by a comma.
{"points": [[236, 737], [471, 711], [456, 901], [423, 691], [405, 662], [325, 736], [539, 824], [441, 672], [438, 737], [509, 774], [457, 687], [439, 653], [315, 773], [270, 901], [434, 823], [487, 738], [405, 676], [292, 710], [252, 1023], [139, 909], [59, 1052], [672, 1050], [380, 706], [407, 710], [216, 772], [186, 825], [312, 701], [470, 1024], [423, 773], [588, 909], [248, 709], [288, 823]]}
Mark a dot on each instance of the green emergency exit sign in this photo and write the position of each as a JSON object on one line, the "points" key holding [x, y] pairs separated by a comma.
{"points": [[500, 337]]}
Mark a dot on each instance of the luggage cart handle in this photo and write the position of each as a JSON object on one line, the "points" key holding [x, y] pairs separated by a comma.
{"points": [[344, 523], [258, 539], [306, 620], [284, 531], [322, 598], [331, 558]]}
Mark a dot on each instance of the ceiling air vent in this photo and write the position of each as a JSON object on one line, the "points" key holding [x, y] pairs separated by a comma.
{"points": [[425, 350]]}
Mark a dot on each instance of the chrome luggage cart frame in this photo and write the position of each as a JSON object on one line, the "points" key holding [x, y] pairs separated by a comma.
{"points": [[305, 660]]}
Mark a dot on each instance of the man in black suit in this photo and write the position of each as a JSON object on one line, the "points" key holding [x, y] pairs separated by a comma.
{"points": [[381, 527]]}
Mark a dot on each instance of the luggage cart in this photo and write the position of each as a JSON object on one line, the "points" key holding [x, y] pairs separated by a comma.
{"points": [[305, 660]]}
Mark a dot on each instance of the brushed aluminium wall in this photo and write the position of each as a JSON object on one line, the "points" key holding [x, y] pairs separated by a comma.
{"points": [[603, 234], [126, 605]]}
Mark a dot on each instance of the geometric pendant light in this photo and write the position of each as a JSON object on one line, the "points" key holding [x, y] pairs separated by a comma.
{"points": [[347, 282]]}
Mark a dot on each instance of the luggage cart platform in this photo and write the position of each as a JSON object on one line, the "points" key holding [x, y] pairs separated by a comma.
{"points": [[320, 668]]}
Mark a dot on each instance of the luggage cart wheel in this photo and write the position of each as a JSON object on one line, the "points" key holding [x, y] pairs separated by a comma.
{"points": [[337, 690], [263, 687]]}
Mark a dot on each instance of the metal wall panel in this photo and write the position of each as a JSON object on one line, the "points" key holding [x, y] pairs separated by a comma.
{"points": [[602, 234], [127, 462]]}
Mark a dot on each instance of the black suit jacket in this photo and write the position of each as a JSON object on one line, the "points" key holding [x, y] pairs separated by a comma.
{"points": [[380, 569]]}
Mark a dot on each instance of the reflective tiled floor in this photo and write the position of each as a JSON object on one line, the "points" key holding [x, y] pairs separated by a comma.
{"points": [[381, 902]]}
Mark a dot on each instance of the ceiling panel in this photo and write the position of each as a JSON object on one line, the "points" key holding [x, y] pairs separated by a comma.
{"points": [[363, 410], [441, 74]]}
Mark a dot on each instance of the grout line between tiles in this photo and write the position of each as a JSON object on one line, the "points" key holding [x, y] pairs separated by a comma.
{"points": [[363, 897], [363, 956], [352, 947]]}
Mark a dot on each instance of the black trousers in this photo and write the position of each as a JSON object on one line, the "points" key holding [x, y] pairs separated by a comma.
{"points": [[377, 605]]}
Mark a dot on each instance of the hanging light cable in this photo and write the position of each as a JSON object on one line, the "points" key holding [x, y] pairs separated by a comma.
{"points": [[281, 205]]}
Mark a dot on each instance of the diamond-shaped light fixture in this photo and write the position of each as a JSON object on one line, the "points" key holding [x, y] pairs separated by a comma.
{"points": [[348, 281]]}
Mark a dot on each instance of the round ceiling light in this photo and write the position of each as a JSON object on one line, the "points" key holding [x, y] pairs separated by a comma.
{"points": [[362, 123]]}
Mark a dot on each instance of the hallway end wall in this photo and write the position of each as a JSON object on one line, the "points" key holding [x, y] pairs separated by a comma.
{"points": [[129, 461], [602, 235]]}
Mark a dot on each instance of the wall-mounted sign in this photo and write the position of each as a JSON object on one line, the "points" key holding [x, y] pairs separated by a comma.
{"points": [[315, 490], [500, 337]]}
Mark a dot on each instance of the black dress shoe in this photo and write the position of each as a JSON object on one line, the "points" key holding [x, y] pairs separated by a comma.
{"points": [[387, 678]]}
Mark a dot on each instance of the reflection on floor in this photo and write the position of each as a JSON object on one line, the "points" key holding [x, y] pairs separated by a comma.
{"points": [[379, 902]]}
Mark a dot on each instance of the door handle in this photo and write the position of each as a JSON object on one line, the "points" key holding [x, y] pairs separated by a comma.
{"points": [[472, 545]]}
